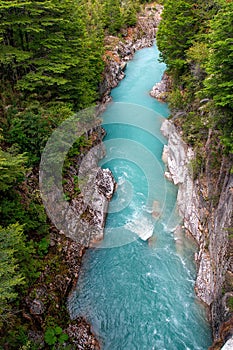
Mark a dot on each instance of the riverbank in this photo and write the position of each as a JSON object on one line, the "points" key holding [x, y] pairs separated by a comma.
{"points": [[45, 308]]}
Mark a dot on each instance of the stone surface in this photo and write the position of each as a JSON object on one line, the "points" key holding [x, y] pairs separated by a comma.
{"points": [[83, 217], [228, 345]]}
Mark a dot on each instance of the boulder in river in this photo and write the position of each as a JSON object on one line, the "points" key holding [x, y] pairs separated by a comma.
{"points": [[160, 91]]}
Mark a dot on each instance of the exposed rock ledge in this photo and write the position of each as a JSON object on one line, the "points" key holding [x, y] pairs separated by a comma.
{"points": [[160, 91], [209, 226], [87, 212]]}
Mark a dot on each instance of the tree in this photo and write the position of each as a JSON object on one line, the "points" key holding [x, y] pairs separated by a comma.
{"points": [[130, 13], [12, 169], [31, 128], [11, 238], [219, 83], [175, 34], [112, 15], [45, 50]]}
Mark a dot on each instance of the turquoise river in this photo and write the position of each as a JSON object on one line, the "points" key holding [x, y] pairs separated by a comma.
{"points": [[139, 294]]}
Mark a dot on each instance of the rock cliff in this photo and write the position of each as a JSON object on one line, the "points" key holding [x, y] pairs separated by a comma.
{"points": [[86, 214], [207, 215]]}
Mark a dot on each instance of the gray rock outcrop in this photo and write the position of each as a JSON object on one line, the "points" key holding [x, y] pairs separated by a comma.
{"points": [[161, 89], [83, 218]]}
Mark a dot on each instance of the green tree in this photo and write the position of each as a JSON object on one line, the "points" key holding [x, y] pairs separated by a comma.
{"points": [[31, 128], [175, 34], [130, 13], [112, 15], [46, 50], [11, 238], [12, 169], [219, 83]]}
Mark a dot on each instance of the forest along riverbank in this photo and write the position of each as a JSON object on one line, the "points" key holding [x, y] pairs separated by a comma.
{"points": [[140, 296]]}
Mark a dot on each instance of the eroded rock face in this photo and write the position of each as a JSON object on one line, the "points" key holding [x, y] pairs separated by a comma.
{"points": [[208, 223], [87, 213], [82, 219]]}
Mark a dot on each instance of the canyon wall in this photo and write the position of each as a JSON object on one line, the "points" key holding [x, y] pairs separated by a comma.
{"points": [[205, 203]]}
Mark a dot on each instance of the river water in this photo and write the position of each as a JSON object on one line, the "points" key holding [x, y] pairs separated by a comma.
{"points": [[139, 294]]}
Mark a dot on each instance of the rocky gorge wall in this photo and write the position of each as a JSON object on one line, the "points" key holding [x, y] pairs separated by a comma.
{"points": [[208, 218]]}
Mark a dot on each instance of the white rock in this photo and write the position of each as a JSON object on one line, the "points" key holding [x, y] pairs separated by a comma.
{"points": [[228, 345]]}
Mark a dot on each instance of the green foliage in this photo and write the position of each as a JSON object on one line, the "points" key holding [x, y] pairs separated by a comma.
{"points": [[28, 346], [18, 338], [175, 34], [196, 166], [12, 169], [219, 84], [47, 50], [20, 253], [175, 99], [55, 335], [11, 241], [130, 13], [31, 128], [195, 129], [112, 15], [198, 52], [12, 209], [227, 141], [195, 39], [230, 303], [43, 246]]}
